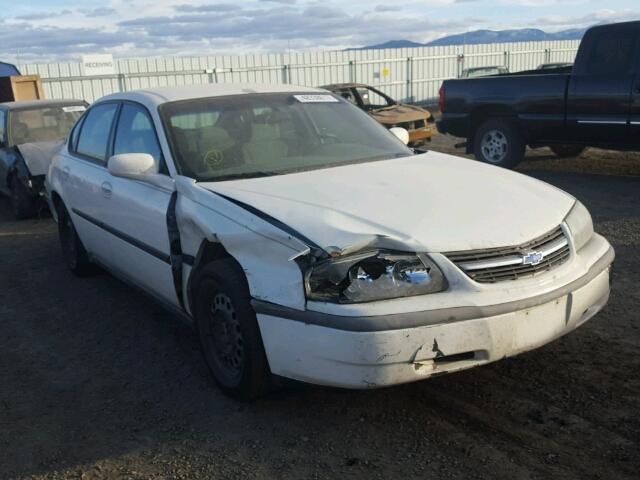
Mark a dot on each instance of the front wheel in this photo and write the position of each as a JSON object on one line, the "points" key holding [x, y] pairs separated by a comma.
{"points": [[23, 204], [498, 142], [567, 151], [229, 331]]}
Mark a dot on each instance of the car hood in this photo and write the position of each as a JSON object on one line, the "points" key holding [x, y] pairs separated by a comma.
{"points": [[38, 155], [399, 114], [431, 203]]}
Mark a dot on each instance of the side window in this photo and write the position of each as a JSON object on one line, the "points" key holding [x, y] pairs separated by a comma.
{"points": [[348, 96], [94, 135], [371, 98], [2, 125], [136, 134], [611, 53]]}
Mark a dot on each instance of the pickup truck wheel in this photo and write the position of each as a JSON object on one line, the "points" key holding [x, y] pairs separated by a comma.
{"points": [[23, 204], [567, 151], [498, 142], [73, 252], [229, 332]]}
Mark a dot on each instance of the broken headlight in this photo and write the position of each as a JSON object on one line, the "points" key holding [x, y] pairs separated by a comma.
{"points": [[372, 276]]}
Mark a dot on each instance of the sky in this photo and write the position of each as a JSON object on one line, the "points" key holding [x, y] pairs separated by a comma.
{"points": [[63, 30]]}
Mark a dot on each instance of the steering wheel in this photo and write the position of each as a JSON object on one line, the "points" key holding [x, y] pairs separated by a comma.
{"points": [[213, 159]]}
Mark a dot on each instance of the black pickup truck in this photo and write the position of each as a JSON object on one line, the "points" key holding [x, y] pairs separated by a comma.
{"points": [[597, 103]]}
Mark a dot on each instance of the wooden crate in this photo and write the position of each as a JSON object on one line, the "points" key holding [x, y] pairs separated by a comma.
{"points": [[23, 87]]}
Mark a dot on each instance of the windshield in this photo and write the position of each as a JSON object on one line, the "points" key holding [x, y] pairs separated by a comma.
{"points": [[254, 135], [43, 124]]}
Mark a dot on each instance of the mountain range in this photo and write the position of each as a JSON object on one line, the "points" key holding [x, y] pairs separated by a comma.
{"points": [[484, 36]]}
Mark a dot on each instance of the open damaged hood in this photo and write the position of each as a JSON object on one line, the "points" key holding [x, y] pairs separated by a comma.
{"points": [[399, 114], [431, 203], [38, 155]]}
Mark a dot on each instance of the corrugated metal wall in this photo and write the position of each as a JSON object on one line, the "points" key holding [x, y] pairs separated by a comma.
{"points": [[410, 75]]}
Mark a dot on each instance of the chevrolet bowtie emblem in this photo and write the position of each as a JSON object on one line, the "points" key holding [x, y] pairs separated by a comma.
{"points": [[532, 258]]}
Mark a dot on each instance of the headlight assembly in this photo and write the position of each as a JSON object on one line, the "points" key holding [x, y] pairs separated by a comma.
{"points": [[580, 225], [371, 276]]}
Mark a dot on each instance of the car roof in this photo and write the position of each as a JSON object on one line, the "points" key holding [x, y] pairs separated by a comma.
{"points": [[158, 96], [28, 104]]}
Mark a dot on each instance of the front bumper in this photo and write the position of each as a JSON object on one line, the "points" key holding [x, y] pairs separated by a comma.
{"points": [[314, 352]]}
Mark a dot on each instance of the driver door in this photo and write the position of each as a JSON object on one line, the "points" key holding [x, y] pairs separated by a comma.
{"points": [[137, 212]]}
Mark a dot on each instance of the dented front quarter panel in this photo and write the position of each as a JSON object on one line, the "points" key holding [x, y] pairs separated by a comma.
{"points": [[264, 251]]}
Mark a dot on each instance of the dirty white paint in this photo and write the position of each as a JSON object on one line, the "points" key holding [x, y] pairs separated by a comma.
{"points": [[430, 203], [367, 360]]}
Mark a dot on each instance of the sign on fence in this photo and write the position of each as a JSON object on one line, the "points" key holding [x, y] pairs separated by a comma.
{"points": [[99, 64]]}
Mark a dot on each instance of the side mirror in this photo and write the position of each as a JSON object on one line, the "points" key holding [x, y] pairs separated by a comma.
{"points": [[136, 166], [401, 134]]}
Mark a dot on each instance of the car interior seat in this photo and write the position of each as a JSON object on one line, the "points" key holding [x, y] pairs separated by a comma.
{"points": [[19, 133], [266, 147]]}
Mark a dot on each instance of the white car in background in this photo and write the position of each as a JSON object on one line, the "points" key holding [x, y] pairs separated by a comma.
{"points": [[305, 240]]}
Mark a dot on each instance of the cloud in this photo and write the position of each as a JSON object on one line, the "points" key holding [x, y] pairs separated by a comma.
{"points": [[43, 15], [218, 7], [97, 12], [265, 26]]}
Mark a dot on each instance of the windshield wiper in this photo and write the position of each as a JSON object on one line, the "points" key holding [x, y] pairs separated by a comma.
{"points": [[238, 176]]}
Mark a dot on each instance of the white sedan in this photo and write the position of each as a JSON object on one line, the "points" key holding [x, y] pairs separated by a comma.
{"points": [[306, 241]]}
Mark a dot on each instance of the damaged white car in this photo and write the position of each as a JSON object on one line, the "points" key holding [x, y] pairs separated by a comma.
{"points": [[306, 241]]}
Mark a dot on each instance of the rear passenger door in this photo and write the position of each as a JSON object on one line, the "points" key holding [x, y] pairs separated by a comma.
{"points": [[137, 213], [83, 174], [599, 92]]}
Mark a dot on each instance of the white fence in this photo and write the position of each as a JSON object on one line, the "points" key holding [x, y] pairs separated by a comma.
{"points": [[407, 74]]}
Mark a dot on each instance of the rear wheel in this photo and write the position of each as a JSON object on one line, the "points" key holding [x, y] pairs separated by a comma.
{"points": [[73, 252], [23, 204], [567, 151], [498, 142], [229, 332]]}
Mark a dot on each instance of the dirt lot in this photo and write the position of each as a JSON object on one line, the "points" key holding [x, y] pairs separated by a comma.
{"points": [[96, 381]]}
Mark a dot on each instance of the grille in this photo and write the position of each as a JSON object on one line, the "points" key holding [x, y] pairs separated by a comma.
{"points": [[527, 260]]}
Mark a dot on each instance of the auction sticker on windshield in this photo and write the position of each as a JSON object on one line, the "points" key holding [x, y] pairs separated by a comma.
{"points": [[74, 108], [316, 98]]}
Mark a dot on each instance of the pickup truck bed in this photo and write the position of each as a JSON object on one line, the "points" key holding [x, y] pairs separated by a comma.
{"points": [[595, 104]]}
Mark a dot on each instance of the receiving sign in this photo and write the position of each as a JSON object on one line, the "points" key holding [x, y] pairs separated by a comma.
{"points": [[101, 64]]}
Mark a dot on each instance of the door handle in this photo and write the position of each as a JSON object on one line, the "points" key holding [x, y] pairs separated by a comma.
{"points": [[107, 189], [65, 173]]}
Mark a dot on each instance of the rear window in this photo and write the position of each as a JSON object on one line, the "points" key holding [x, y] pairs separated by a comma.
{"points": [[611, 52], [43, 124]]}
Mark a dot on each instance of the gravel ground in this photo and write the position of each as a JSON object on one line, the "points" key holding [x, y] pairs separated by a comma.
{"points": [[96, 381]]}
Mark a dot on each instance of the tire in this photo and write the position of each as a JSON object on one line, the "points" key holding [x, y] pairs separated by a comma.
{"points": [[498, 142], [229, 332], [568, 151], [22, 203], [73, 252]]}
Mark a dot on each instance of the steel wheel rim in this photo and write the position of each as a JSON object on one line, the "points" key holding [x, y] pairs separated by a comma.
{"points": [[223, 336], [494, 146]]}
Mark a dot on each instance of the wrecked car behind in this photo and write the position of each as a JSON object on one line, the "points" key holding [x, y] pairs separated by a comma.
{"points": [[30, 134], [416, 120], [305, 241]]}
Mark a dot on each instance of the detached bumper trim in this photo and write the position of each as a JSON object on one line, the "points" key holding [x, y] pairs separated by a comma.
{"points": [[428, 317]]}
